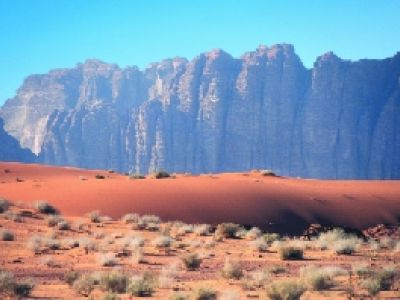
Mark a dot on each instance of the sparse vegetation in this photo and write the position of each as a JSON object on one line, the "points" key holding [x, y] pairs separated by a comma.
{"points": [[192, 261], [100, 176], [46, 208], [130, 218], [136, 176], [106, 259], [141, 286], [286, 289], [205, 293], [290, 253], [70, 277], [232, 269], [320, 278], [161, 174], [4, 205], [227, 230], [114, 281], [84, 285], [6, 235]]}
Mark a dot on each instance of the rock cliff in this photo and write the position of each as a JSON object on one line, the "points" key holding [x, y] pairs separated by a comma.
{"points": [[340, 119]]}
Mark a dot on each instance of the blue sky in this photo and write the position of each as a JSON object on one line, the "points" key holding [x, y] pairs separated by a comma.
{"points": [[39, 35]]}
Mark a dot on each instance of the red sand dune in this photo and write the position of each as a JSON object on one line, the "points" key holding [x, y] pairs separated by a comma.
{"points": [[279, 204]]}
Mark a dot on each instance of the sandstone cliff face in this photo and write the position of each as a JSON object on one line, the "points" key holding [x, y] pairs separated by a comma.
{"points": [[10, 149], [215, 113]]}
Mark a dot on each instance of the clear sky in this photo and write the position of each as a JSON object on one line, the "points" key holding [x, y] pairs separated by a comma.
{"points": [[39, 35]]}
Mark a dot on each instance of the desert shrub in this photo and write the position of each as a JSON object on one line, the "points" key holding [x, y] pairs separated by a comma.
{"points": [[230, 295], [46, 208], [106, 259], [130, 218], [23, 290], [287, 289], [136, 176], [255, 279], [161, 174], [362, 270], [386, 278], [253, 233], [52, 243], [162, 241], [271, 237], [63, 225], [339, 241], [387, 243], [13, 217], [35, 244], [4, 205], [192, 261], [232, 269], [94, 216], [259, 244], [99, 176], [205, 293], [227, 230], [178, 296], [167, 276], [320, 278], [6, 235], [111, 296], [138, 256], [70, 277], [372, 285], [49, 261], [267, 173], [148, 219], [84, 285], [53, 220], [87, 244], [276, 269], [7, 283], [114, 281], [290, 253], [202, 229], [346, 246], [141, 286]]}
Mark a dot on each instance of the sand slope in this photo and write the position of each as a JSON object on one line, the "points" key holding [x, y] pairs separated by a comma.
{"points": [[278, 204]]}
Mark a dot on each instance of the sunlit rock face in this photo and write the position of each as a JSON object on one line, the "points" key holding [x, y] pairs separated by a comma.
{"points": [[340, 119], [10, 149]]}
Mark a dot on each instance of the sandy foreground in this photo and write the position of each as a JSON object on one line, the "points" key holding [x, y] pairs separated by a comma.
{"points": [[274, 203]]}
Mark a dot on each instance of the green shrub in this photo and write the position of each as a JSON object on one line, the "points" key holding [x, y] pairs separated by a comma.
{"points": [[141, 286], [4, 205], [6, 235], [205, 294], [287, 289], [46, 208], [192, 261], [290, 253], [70, 277], [114, 281]]}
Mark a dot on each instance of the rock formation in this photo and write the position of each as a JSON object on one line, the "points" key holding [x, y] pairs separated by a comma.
{"points": [[340, 119]]}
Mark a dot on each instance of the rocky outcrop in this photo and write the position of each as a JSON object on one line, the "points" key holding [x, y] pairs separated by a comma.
{"points": [[341, 119], [10, 149]]}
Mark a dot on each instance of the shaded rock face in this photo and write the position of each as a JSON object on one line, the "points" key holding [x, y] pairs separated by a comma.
{"points": [[341, 119], [10, 149]]}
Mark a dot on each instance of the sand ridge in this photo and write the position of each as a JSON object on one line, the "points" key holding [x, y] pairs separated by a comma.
{"points": [[276, 203]]}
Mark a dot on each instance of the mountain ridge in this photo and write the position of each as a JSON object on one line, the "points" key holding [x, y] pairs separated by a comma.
{"points": [[216, 113]]}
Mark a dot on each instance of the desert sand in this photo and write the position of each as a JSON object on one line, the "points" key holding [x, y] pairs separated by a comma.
{"points": [[278, 204]]}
